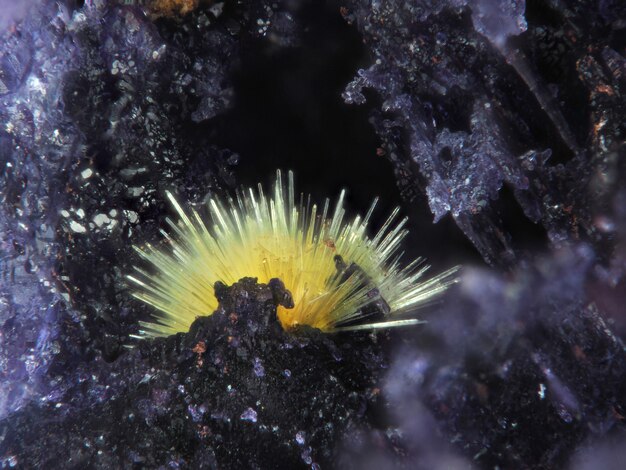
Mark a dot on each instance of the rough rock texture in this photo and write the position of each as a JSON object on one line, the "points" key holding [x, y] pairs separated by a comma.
{"points": [[505, 117], [511, 119], [94, 103], [235, 392], [522, 371], [476, 98]]}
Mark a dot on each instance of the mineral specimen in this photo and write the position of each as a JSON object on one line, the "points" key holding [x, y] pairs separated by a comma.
{"points": [[503, 122]]}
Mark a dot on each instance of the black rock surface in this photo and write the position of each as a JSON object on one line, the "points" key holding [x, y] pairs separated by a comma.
{"points": [[237, 391]]}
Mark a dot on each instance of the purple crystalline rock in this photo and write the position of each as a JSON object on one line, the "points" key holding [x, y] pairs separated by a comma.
{"points": [[505, 118], [516, 372], [505, 364], [490, 109], [37, 145], [498, 20], [91, 105], [478, 97]]}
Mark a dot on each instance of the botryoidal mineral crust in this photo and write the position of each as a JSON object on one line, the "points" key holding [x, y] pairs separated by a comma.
{"points": [[237, 391]]}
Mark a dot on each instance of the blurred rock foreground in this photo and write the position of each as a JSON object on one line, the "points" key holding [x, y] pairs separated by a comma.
{"points": [[503, 122]]}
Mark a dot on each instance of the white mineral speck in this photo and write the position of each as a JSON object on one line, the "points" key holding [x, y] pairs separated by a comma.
{"points": [[76, 227], [136, 191], [542, 391], [101, 219], [132, 216]]}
